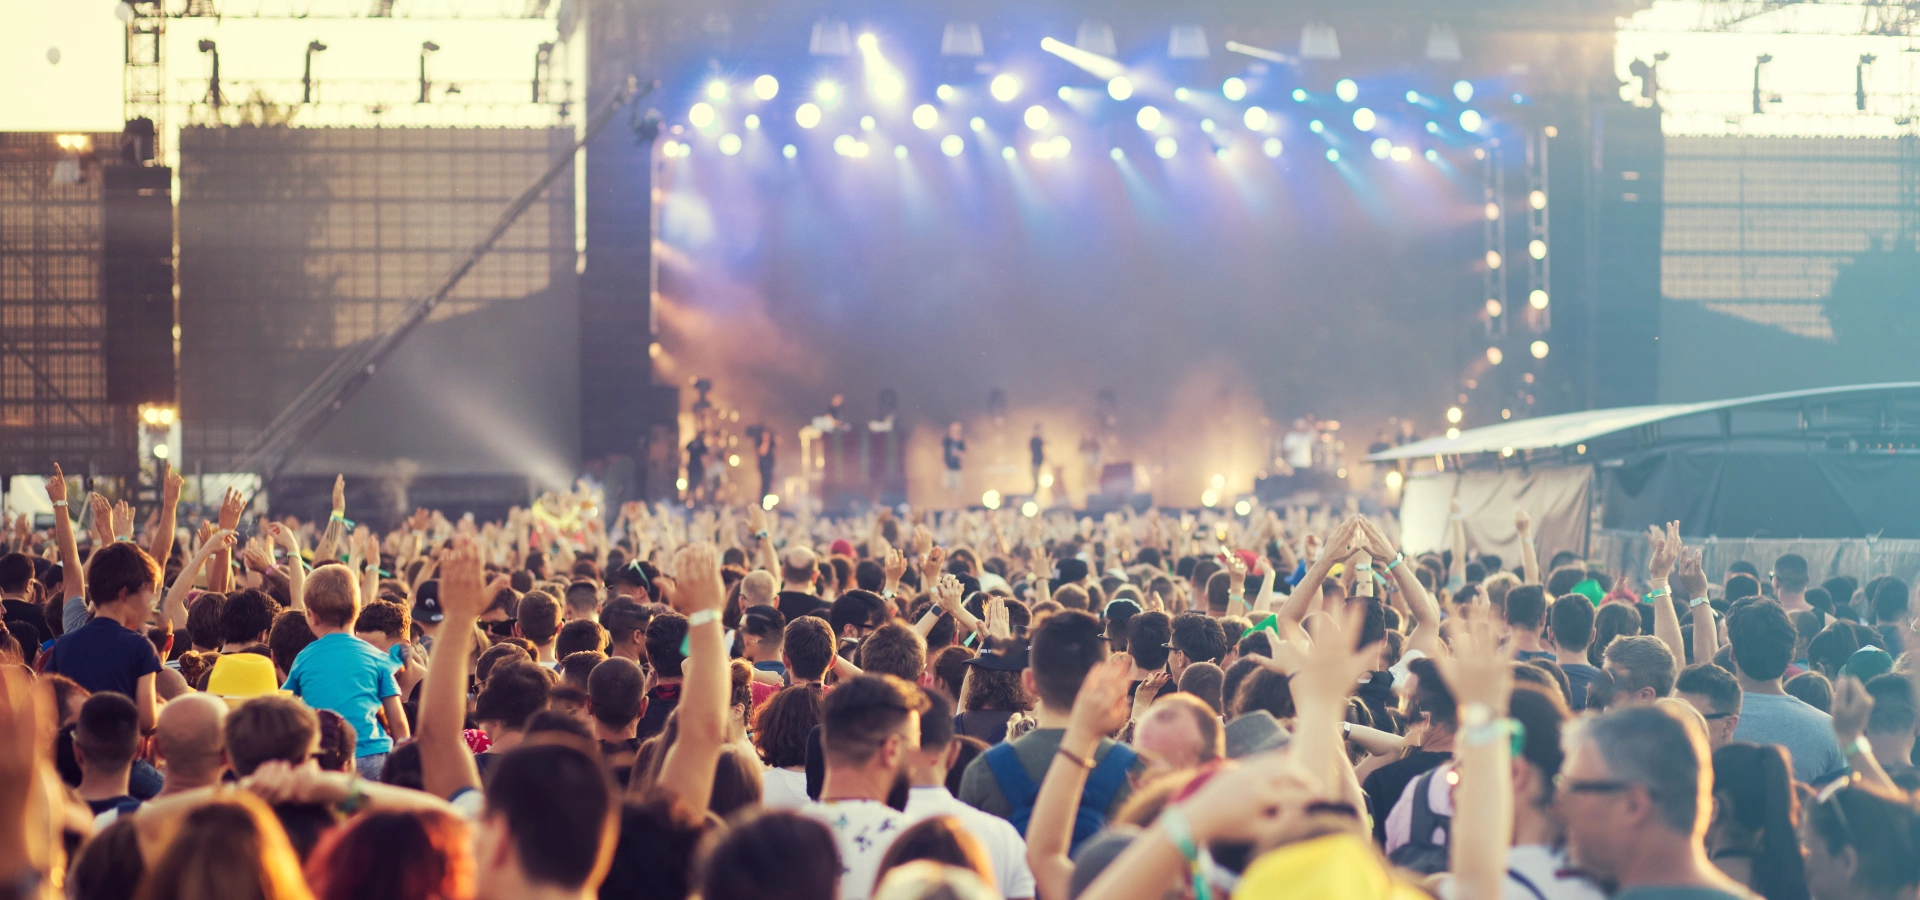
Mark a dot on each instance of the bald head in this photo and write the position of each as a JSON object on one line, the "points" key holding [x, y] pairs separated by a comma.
{"points": [[757, 588], [1179, 732], [798, 568], [191, 739]]}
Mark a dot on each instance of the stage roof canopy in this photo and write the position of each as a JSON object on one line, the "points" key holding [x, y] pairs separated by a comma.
{"points": [[1889, 412]]}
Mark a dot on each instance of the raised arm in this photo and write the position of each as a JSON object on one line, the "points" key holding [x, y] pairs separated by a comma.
{"points": [[1692, 582], [445, 762], [296, 567], [1481, 677], [328, 547], [1306, 594], [230, 507], [1663, 551], [1099, 710], [161, 546], [73, 577], [174, 606], [1529, 554], [688, 769], [1457, 530], [1426, 612], [1852, 705], [1236, 585]]}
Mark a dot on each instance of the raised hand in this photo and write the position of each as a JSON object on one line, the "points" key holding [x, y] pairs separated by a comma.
{"points": [[100, 527], [1851, 707], [922, 541], [339, 495], [1663, 550], [1481, 671], [462, 596], [1251, 803], [935, 563], [1237, 568], [230, 508], [1155, 602], [1148, 691], [122, 519], [419, 520], [170, 484], [696, 572], [1100, 709], [1691, 578], [57, 485], [946, 592], [895, 567], [1331, 667], [1522, 522], [999, 625]]}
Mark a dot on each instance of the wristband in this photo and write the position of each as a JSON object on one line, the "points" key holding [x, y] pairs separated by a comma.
{"points": [[702, 617], [1695, 602], [1366, 568], [1482, 735], [760, 535], [59, 504], [1661, 592], [1180, 832], [1861, 746], [1398, 558]]}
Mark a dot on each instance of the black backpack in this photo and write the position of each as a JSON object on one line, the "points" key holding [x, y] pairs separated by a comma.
{"points": [[1420, 853]]}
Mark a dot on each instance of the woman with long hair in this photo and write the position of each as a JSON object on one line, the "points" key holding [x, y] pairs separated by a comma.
{"points": [[410, 855], [231, 848], [991, 695], [1613, 621], [1755, 814], [1862, 842], [780, 734]]}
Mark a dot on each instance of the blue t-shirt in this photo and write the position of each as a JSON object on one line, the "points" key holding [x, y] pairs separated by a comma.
{"points": [[345, 674], [1804, 732], [104, 655]]}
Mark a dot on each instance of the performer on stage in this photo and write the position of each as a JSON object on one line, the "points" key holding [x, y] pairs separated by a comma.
{"points": [[696, 466], [951, 449], [1037, 447], [764, 450]]}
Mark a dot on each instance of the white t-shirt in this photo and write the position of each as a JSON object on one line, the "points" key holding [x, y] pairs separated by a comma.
{"points": [[862, 831], [1005, 848], [1542, 867], [783, 789]]}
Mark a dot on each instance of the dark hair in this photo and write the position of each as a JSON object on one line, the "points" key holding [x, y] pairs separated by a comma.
{"points": [[16, 572], [246, 615], [1526, 606], [1894, 705], [1571, 622], [580, 635], [1811, 688], [763, 622], [1647, 660], [658, 838], [1543, 713], [1829, 650], [936, 721], [108, 730], [1754, 787], [943, 839], [557, 803], [1218, 586], [386, 617], [1739, 586], [782, 724], [614, 689], [1890, 600], [393, 855], [1718, 685], [495, 655], [203, 620], [118, 569], [1610, 622], [949, 667], [664, 636], [777, 855], [894, 649], [860, 609], [1147, 635], [576, 668], [1882, 827], [1839, 590], [338, 741], [1430, 694], [869, 576], [809, 645], [622, 617], [268, 728], [583, 595], [1791, 571], [1762, 639], [1561, 580], [1200, 637], [1064, 648], [403, 767], [1267, 690], [109, 865], [538, 616], [1205, 681], [555, 721], [862, 712], [515, 691], [1231, 680]]}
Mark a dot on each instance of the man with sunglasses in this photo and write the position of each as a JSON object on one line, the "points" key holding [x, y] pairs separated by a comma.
{"points": [[1715, 694], [1635, 794]]}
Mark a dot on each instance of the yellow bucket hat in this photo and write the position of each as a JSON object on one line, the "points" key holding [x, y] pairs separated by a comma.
{"points": [[1337, 865], [239, 677]]}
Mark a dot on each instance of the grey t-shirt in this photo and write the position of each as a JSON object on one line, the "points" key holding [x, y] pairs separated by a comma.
{"points": [[1806, 733]]}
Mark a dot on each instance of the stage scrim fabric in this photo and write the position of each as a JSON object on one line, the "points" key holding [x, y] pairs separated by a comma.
{"points": [[1557, 498]]}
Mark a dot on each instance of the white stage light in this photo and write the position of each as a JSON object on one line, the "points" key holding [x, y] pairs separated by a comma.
{"points": [[888, 88], [867, 42], [1119, 88], [1255, 119], [716, 90], [1346, 90], [1381, 147], [1234, 89], [899, 151], [752, 122], [1299, 96], [1117, 154], [925, 116], [1537, 299], [843, 145], [976, 123], [789, 151], [1433, 156], [1463, 91], [766, 87], [1364, 119], [952, 145], [1316, 126], [1148, 118], [1007, 153], [826, 92], [1064, 93], [1333, 155], [1272, 147], [1061, 146], [944, 92], [1004, 87], [990, 499], [807, 116], [1402, 154], [867, 123], [1539, 349], [1537, 249], [1495, 356], [1036, 117], [700, 115], [730, 144], [1413, 96], [1165, 148], [1207, 125], [1181, 94], [1470, 121]]}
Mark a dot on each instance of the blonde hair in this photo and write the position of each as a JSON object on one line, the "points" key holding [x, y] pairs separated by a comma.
{"points": [[924, 879], [232, 848], [333, 596]]}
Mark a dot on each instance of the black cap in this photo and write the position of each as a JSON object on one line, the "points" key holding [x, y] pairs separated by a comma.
{"points": [[630, 575], [1009, 658], [426, 603]]}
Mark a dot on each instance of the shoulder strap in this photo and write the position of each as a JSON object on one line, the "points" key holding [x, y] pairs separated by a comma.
{"points": [[1107, 777], [1527, 883], [1015, 784], [1420, 827]]}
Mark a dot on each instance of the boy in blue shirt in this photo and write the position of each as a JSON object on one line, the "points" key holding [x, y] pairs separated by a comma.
{"points": [[343, 673]]}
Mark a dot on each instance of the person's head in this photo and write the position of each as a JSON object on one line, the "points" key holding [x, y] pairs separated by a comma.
{"points": [[777, 855], [291, 634], [576, 668], [1265, 690], [782, 724], [1570, 622], [1642, 668], [762, 629], [268, 728], [665, 634], [1179, 732], [1762, 640], [538, 618], [231, 846], [799, 569], [1715, 693], [1741, 585], [614, 690], [549, 821], [333, 597], [1634, 778], [107, 735], [1754, 809], [758, 588], [1828, 651], [515, 691], [1430, 699], [808, 648], [1196, 638], [203, 621], [16, 574], [1063, 648], [626, 623], [894, 649], [1526, 607], [394, 855], [583, 599], [943, 840], [855, 614], [578, 636], [1542, 713], [123, 576], [1147, 636], [1790, 574], [190, 738], [1896, 715], [1564, 576], [109, 865], [1811, 688], [1862, 841], [870, 723], [1206, 682], [1891, 605]]}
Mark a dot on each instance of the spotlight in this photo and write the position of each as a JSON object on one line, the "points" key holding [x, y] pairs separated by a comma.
{"points": [[730, 144], [867, 123], [843, 145], [1299, 96], [680, 483], [976, 123], [1454, 414], [826, 92], [1065, 94], [1433, 155], [1433, 127], [1220, 153], [1061, 146], [1206, 125], [925, 116], [1181, 94], [1007, 153], [867, 42], [1004, 87], [1394, 479], [1242, 508], [1539, 349], [752, 122], [1346, 90], [1209, 497], [769, 502], [1117, 154], [1453, 433], [899, 151], [733, 459], [990, 499], [1036, 117], [1494, 308], [1402, 154], [1041, 149], [1148, 118], [1492, 211], [1316, 126], [1029, 509], [700, 115], [952, 145], [1537, 299], [1537, 199], [716, 90], [1493, 259], [1364, 119], [1537, 249], [1165, 148], [944, 92], [1119, 88], [766, 87], [1469, 121], [888, 87], [789, 151], [807, 116], [1413, 96], [1234, 89], [1463, 91], [1256, 119], [1381, 147], [161, 451], [1495, 356], [1333, 155], [1272, 148]]}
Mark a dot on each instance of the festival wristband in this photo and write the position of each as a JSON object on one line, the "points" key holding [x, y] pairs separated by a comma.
{"points": [[1180, 832], [60, 504], [1398, 558], [1660, 592], [1695, 602]]}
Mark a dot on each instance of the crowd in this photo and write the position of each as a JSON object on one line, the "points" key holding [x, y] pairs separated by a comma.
{"points": [[725, 704]]}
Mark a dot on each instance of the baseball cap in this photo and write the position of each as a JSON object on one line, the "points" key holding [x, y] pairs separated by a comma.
{"points": [[1010, 657], [426, 603]]}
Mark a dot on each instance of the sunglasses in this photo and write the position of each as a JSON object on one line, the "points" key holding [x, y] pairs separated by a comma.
{"points": [[1715, 717], [502, 628], [1564, 785]]}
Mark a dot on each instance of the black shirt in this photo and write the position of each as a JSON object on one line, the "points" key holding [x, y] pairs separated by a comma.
{"points": [[661, 701], [950, 449], [794, 604], [1038, 448], [1384, 787]]}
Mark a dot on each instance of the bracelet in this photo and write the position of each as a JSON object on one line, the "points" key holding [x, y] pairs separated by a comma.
{"points": [[1398, 558], [1662, 592], [702, 617], [1075, 758], [356, 796], [1366, 568], [1695, 602], [1487, 733], [1861, 746], [1180, 832], [59, 504]]}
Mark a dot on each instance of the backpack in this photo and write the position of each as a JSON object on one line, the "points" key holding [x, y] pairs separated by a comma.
{"points": [[1420, 853], [1103, 783]]}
